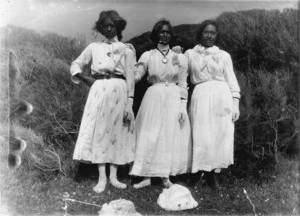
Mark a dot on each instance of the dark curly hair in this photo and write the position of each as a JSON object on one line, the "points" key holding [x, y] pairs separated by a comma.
{"points": [[119, 22], [154, 37], [202, 27]]}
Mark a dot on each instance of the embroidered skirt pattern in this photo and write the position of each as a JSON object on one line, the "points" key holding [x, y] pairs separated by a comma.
{"points": [[103, 136]]}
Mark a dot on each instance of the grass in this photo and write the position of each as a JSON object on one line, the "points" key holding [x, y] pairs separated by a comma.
{"points": [[48, 172], [24, 194]]}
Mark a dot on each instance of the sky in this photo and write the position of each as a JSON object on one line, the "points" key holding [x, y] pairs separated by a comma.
{"points": [[76, 17]]}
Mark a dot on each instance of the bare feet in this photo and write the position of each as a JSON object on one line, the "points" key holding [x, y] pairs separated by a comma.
{"points": [[166, 182], [114, 182], [146, 182], [100, 186]]}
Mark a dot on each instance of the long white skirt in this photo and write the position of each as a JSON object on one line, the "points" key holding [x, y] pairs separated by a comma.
{"points": [[163, 144], [103, 136], [212, 126]]}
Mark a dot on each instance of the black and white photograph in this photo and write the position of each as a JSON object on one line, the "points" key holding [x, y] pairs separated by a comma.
{"points": [[149, 107]]}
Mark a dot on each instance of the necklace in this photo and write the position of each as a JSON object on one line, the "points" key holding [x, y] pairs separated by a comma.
{"points": [[164, 60]]}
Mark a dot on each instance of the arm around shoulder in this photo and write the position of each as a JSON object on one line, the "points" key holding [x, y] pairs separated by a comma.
{"points": [[141, 67]]}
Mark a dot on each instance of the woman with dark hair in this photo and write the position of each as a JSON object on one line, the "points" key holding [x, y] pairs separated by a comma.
{"points": [[118, 21], [154, 35], [162, 125], [214, 104], [106, 132]]}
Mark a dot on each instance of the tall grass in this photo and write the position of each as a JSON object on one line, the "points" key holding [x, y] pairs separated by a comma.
{"points": [[45, 81], [264, 47]]}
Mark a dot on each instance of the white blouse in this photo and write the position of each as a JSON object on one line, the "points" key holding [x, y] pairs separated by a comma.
{"points": [[211, 63], [174, 71], [109, 56]]}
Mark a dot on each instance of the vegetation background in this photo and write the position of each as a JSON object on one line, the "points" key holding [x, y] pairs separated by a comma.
{"points": [[264, 46]]}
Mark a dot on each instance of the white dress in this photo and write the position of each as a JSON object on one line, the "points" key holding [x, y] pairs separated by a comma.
{"points": [[163, 143], [103, 136], [211, 70]]}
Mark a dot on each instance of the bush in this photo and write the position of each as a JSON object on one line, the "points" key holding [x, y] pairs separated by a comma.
{"points": [[264, 47], [260, 38], [267, 123]]}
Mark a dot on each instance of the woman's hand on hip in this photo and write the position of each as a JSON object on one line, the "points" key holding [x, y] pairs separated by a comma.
{"points": [[86, 79], [90, 81]]}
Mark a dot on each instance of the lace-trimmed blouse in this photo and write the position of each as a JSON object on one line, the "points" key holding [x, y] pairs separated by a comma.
{"points": [[211, 64]]}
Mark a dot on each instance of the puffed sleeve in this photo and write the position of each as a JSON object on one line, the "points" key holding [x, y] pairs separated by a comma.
{"points": [[182, 77], [77, 65], [130, 69], [141, 66], [230, 76]]}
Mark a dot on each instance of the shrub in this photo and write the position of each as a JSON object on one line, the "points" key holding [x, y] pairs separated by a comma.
{"points": [[264, 46], [260, 38], [267, 123]]}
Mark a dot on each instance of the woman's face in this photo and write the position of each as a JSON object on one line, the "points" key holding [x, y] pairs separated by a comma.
{"points": [[109, 29], [209, 35], [164, 35]]}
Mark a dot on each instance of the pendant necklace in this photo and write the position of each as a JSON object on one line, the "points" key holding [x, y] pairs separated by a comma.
{"points": [[164, 60]]}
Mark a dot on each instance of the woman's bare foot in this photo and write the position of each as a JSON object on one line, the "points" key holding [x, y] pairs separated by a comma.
{"points": [[146, 182], [100, 186], [166, 182], [114, 182]]}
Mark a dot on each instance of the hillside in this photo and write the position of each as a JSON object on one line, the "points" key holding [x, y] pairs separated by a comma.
{"points": [[256, 38], [264, 46]]}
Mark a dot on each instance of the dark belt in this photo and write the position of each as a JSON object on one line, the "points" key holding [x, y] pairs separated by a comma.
{"points": [[108, 76]]}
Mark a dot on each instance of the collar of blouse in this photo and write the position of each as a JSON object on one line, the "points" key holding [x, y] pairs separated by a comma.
{"points": [[206, 51], [163, 48], [112, 40]]}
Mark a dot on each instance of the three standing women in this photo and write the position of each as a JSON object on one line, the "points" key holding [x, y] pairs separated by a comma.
{"points": [[162, 127]]}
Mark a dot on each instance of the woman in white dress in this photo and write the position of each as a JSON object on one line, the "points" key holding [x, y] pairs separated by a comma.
{"points": [[106, 132], [162, 125], [214, 103]]}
